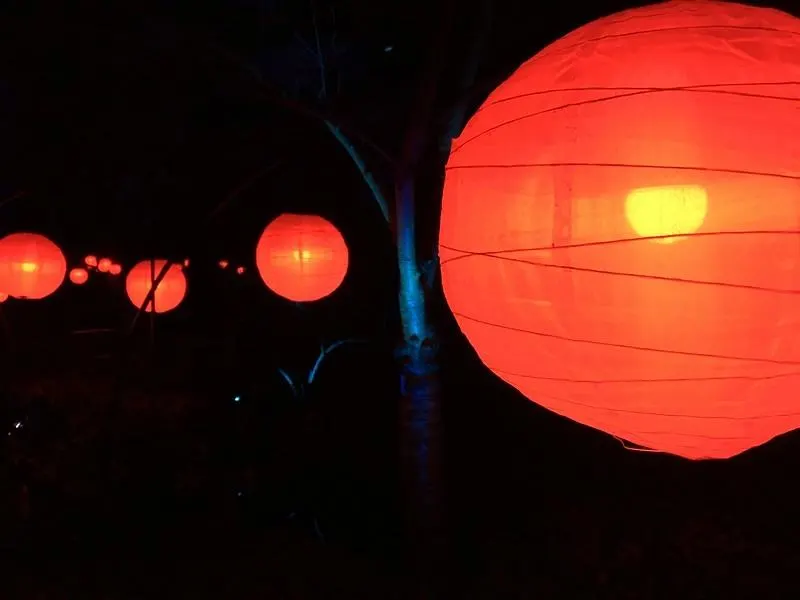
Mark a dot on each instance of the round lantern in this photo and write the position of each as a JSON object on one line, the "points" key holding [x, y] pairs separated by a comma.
{"points": [[302, 257], [169, 292], [115, 269], [620, 229], [104, 264], [91, 260], [79, 276], [31, 266]]}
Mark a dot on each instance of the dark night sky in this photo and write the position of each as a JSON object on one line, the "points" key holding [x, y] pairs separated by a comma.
{"points": [[124, 124]]}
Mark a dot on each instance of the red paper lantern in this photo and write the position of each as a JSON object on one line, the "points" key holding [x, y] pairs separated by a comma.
{"points": [[31, 266], [103, 265], [79, 276], [169, 292], [115, 269], [91, 260], [620, 227], [302, 257]]}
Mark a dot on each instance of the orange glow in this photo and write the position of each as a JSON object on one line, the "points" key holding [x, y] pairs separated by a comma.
{"points": [[31, 266], [223, 264], [170, 291], [3, 297], [103, 265], [79, 276], [91, 260], [678, 120], [302, 257], [115, 269]]}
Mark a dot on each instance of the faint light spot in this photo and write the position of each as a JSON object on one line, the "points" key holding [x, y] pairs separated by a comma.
{"points": [[18, 424], [239, 494], [388, 48], [237, 398]]}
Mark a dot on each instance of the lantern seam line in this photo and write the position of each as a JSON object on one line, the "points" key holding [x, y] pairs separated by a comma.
{"points": [[629, 166], [627, 346], [700, 87], [668, 415], [740, 286], [622, 240], [613, 36], [665, 380], [639, 92]]}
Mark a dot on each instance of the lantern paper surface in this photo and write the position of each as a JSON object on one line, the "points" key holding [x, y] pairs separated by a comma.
{"points": [[302, 257], [103, 265], [31, 266], [169, 292], [620, 229], [3, 297], [78, 276]]}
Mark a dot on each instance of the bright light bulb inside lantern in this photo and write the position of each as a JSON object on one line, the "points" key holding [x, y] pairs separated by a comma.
{"points": [[28, 267], [302, 255], [674, 210]]}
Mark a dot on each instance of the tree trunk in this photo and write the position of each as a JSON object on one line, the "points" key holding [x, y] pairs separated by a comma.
{"points": [[420, 410]]}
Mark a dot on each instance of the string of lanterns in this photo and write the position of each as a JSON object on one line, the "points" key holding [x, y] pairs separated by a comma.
{"points": [[302, 258]]}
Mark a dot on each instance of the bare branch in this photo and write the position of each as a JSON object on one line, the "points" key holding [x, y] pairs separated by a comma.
{"points": [[15, 196], [366, 174], [239, 190], [288, 379], [323, 87], [312, 374]]}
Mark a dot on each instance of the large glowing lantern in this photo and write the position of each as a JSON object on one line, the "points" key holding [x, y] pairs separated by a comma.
{"points": [[169, 292], [31, 266], [302, 257], [620, 231]]}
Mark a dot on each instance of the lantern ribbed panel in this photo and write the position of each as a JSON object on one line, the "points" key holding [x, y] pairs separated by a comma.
{"points": [[620, 231]]}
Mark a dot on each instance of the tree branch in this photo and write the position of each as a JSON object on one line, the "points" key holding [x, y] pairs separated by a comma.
{"points": [[366, 174], [312, 374], [288, 379]]}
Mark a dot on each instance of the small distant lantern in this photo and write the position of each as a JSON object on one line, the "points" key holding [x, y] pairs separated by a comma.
{"points": [[186, 263], [104, 265], [169, 292], [115, 269], [79, 276], [223, 264], [302, 257], [91, 261], [31, 266], [240, 270]]}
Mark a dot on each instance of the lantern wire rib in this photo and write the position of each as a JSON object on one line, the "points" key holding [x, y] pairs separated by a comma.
{"points": [[700, 87], [629, 34], [648, 413], [738, 286], [628, 346], [632, 94], [622, 240], [626, 446], [653, 380], [630, 166]]}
